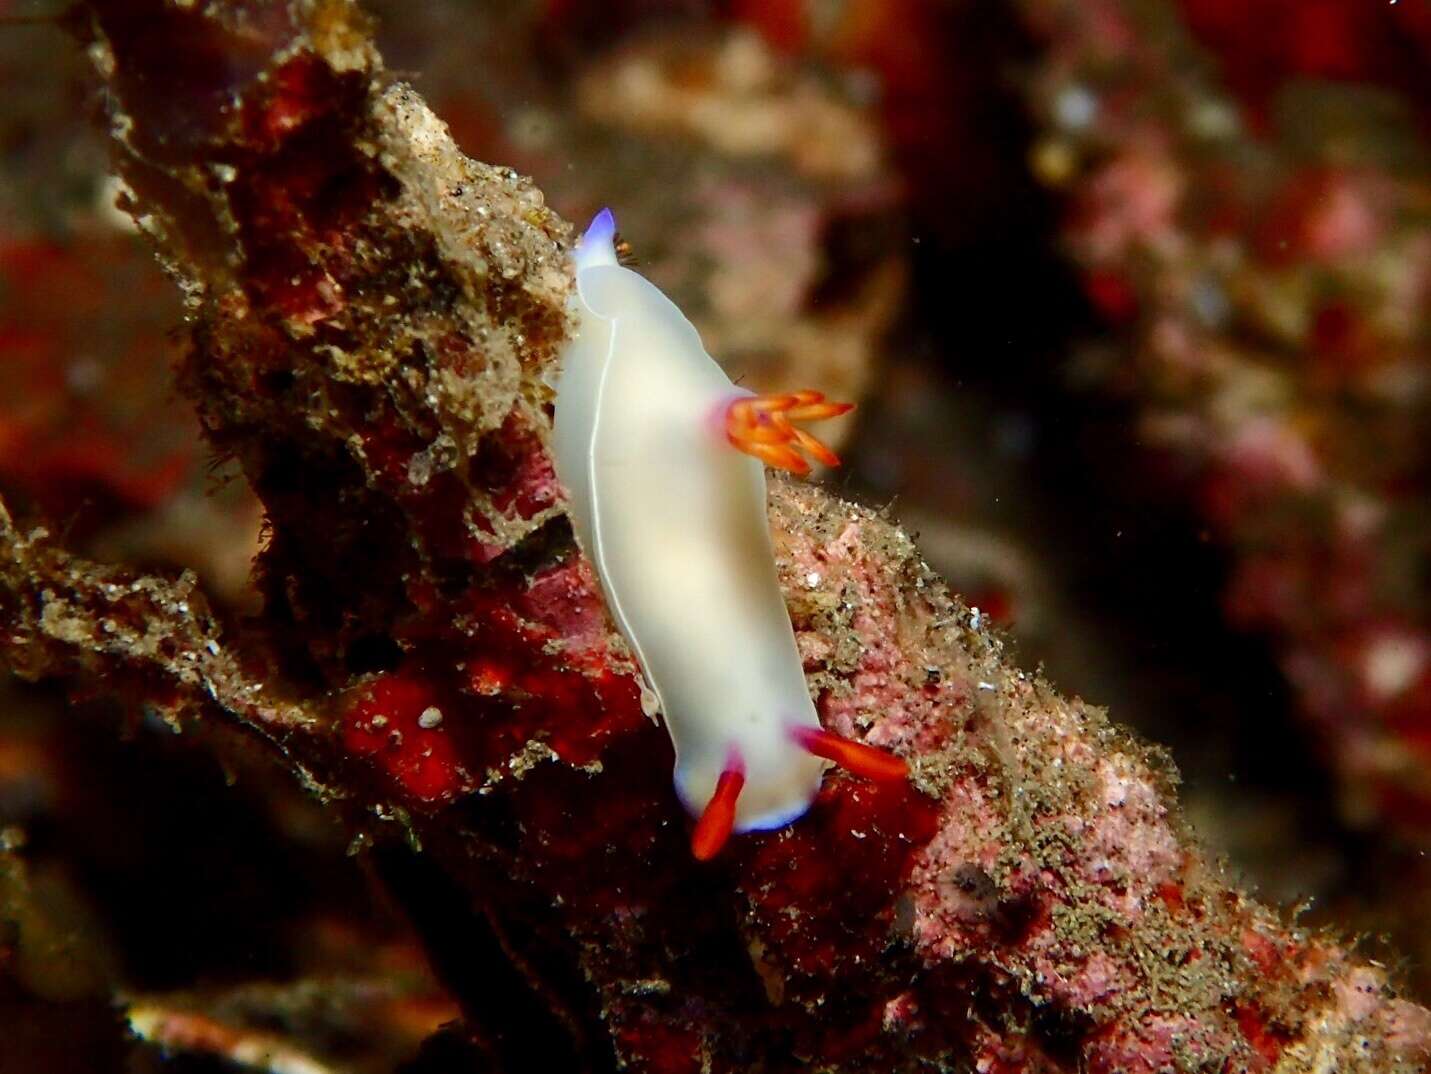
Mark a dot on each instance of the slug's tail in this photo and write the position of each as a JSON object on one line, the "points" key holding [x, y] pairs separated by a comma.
{"points": [[764, 426], [717, 821]]}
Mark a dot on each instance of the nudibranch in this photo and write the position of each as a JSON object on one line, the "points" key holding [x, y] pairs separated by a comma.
{"points": [[663, 458]]}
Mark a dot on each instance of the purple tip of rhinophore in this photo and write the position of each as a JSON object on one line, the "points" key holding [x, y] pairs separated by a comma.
{"points": [[602, 228]]}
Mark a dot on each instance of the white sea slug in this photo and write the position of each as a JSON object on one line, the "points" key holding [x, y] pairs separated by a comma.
{"points": [[662, 456]]}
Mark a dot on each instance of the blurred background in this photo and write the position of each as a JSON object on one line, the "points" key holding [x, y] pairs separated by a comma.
{"points": [[1132, 296]]}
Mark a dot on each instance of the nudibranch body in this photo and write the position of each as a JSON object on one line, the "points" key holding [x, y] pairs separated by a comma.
{"points": [[673, 517]]}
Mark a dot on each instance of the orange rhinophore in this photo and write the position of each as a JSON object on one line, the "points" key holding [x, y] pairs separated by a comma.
{"points": [[763, 426], [855, 757], [718, 818]]}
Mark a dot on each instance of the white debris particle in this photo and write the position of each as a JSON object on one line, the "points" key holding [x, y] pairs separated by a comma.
{"points": [[812, 579], [974, 618], [1214, 119], [430, 718], [986, 686], [419, 469], [650, 702], [1392, 664], [84, 375], [1210, 302], [1075, 108]]}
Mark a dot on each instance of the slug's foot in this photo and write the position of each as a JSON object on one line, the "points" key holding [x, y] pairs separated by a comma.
{"points": [[764, 426], [718, 818], [856, 757]]}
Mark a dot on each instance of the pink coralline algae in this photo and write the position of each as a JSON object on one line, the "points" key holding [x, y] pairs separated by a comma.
{"points": [[1259, 251], [431, 659]]}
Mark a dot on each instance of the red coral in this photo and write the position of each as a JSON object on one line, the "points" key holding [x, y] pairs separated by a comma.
{"points": [[397, 721]]}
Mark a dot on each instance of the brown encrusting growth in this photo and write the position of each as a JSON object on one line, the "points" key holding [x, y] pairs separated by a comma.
{"points": [[375, 323]]}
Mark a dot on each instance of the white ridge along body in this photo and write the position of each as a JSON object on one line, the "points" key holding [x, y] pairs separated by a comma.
{"points": [[673, 517]]}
